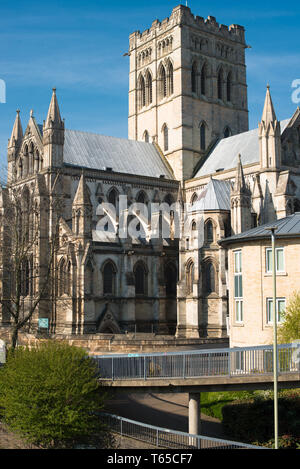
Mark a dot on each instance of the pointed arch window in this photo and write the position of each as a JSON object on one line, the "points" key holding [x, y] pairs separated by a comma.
{"points": [[228, 87], [162, 82], [140, 277], [169, 199], [202, 136], [203, 80], [148, 88], [141, 93], [109, 278], [220, 84], [170, 79], [227, 132], [194, 198], [166, 137], [62, 277], [194, 78], [113, 197], [26, 277], [146, 136], [190, 274], [141, 197], [210, 283], [209, 232]]}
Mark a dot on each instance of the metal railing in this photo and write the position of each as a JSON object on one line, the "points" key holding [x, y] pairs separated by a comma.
{"points": [[199, 363], [165, 438]]}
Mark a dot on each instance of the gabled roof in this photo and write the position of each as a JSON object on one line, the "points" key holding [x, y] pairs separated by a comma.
{"points": [[286, 227], [96, 151], [216, 196], [223, 156]]}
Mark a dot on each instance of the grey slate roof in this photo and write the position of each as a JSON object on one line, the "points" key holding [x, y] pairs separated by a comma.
{"points": [[287, 227], [96, 151], [224, 155], [216, 196]]}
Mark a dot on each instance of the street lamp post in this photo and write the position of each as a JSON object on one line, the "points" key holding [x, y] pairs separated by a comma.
{"points": [[275, 347]]}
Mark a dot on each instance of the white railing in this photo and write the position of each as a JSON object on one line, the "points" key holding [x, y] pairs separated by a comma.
{"points": [[199, 363], [165, 438]]}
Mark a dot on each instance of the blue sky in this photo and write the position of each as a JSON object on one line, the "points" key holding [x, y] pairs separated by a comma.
{"points": [[78, 47]]}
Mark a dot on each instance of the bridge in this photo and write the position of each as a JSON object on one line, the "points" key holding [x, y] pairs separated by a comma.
{"points": [[193, 372]]}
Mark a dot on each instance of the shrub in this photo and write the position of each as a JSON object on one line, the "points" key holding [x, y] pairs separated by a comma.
{"points": [[49, 395], [289, 330], [254, 421]]}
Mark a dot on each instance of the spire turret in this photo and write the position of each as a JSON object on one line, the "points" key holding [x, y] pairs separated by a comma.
{"points": [[53, 135], [269, 135], [17, 132], [82, 210], [53, 116], [240, 199]]}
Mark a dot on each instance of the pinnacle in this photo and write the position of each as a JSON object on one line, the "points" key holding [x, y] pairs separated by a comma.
{"points": [[17, 132], [268, 111], [82, 196], [53, 116]]}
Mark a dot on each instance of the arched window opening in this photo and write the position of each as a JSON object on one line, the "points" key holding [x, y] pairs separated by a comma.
{"points": [[141, 198], [69, 279], [228, 87], [190, 274], [227, 132], [36, 162], [148, 88], [171, 279], [203, 80], [210, 284], [220, 84], [140, 276], [30, 163], [202, 136], [166, 138], [170, 79], [109, 276], [194, 78], [113, 197], [141, 92], [209, 232], [162, 82], [61, 277], [168, 199], [146, 136], [194, 198]]}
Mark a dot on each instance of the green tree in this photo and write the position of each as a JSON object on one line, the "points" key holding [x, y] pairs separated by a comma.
{"points": [[50, 396], [289, 330]]}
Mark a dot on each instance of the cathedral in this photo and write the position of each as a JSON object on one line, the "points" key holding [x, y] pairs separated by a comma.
{"points": [[188, 144]]}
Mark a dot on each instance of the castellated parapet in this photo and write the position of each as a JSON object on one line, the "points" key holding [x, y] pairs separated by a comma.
{"points": [[182, 15]]}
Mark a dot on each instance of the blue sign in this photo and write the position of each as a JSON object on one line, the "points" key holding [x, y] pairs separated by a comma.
{"points": [[43, 323]]}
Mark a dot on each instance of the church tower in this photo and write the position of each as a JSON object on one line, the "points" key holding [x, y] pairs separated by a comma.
{"points": [[187, 86]]}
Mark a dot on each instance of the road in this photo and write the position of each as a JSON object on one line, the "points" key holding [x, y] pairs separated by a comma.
{"points": [[162, 410]]}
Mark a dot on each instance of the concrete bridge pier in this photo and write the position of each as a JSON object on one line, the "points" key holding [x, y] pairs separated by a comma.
{"points": [[194, 415]]}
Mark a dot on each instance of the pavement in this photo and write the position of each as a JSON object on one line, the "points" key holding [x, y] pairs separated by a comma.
{"points": [[161, 410]]}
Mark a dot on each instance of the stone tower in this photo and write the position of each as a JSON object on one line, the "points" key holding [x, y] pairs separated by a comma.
{"points": [[187, 86]]}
